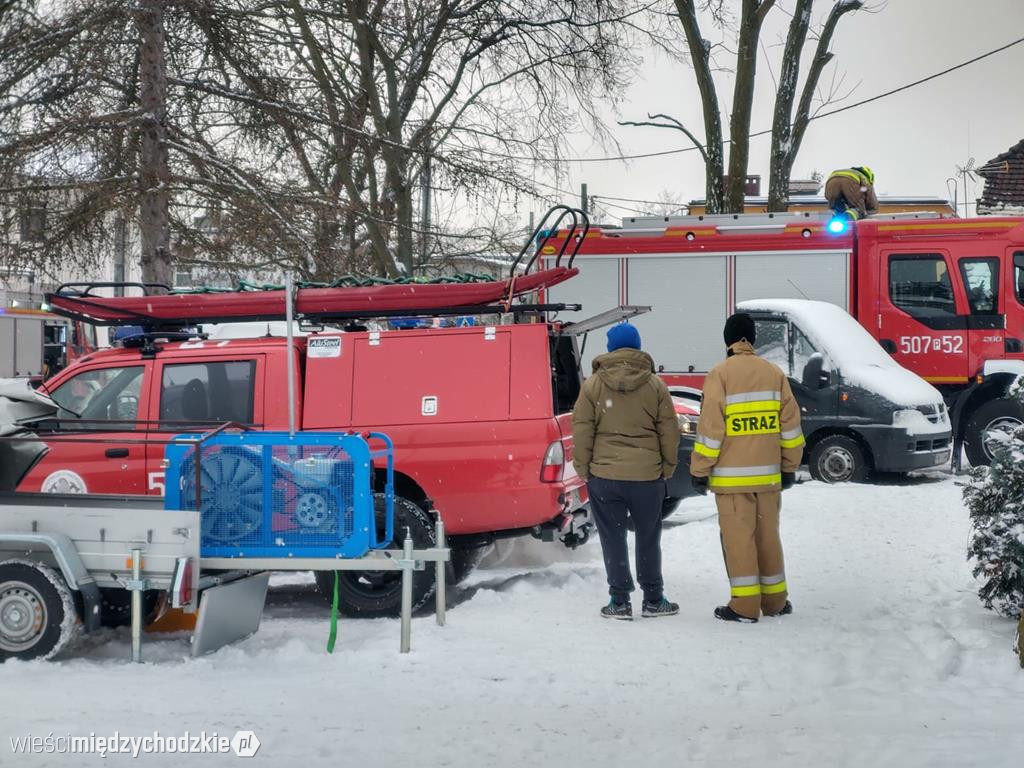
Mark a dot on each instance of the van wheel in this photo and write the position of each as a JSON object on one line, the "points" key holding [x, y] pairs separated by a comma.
{"points": [[375, 594], [986, 425], [37, 611], [838, 459]]}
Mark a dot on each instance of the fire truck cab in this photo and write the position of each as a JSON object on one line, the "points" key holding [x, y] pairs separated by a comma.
{"points": [[943, 296]]}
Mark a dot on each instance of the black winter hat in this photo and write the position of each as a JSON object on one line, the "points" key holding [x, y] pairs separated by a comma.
{"points": [[738, 327]]}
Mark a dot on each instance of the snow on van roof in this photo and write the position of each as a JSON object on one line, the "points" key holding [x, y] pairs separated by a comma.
{"points": [[853, 350]]}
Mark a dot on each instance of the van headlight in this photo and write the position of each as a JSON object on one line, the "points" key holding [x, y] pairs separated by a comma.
{"points": [[908, 417], [687, 424]]}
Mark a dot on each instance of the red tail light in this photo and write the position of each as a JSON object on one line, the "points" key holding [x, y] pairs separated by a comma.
{"points": [[554, 462], [181, 583]]}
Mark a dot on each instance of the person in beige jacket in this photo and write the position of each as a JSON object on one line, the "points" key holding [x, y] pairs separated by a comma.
{"points": [[748, 447], [625, 445], [852, 191]]}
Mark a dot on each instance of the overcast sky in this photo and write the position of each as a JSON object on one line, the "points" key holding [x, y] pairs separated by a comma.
{"points": [[913, 140]]}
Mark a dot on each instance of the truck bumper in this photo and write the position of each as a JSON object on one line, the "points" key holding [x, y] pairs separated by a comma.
{"points": [[894, 450]]}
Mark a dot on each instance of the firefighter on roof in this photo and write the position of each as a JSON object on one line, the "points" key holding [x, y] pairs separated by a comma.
{"points": [[852, 191], [749, 445]]}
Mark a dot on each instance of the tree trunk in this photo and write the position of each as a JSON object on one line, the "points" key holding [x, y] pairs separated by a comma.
{"points": [[781, 159], [742, 101], [154, 173], [700, 58]]}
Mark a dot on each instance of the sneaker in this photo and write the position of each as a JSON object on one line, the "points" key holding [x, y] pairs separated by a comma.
{"points": [[622, 611], [725, 613], [661, 608], [786, 610]]}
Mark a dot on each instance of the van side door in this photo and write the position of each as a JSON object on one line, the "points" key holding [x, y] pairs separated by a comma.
{"points": [[922, 315], [98, 443], [196, 393]]}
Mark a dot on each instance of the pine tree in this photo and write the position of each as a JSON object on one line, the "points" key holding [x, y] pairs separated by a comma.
{"points": [[995, 498]]}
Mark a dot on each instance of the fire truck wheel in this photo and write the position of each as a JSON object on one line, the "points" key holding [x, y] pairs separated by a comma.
{"points": [[376, 594], [37, 611], [116, 607], [838, 459], [986, 425]]}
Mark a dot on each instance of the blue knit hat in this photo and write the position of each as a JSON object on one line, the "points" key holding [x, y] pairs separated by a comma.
{"points": [[623, 335]]}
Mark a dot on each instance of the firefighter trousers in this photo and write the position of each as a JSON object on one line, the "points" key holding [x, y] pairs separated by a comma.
{"points": [[753, 551]]}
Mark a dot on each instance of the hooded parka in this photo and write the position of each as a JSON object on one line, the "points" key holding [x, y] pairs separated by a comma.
{"points": [[624, 423]]}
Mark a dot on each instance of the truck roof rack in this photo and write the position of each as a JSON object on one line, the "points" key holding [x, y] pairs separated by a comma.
{"points": [[380, 298], [747, 223]]}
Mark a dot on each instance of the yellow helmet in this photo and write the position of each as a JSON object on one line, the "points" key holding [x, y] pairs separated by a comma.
{"points": [[867, 172]]}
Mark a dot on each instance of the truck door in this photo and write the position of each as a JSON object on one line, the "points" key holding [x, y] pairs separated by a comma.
{"points": [[1013, 303], [987, 321], [106, 451], [922, 316], [205, 392]]}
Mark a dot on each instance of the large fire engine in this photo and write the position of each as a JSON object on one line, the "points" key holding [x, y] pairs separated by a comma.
{"points": [[36, 344], [944, 296]]}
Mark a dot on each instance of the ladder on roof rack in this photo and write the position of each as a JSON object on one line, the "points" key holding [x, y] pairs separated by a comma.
{"points": [[748, 223]]}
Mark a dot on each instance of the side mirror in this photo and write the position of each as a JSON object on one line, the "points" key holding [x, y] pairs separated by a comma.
{"points": [[815, 376]]}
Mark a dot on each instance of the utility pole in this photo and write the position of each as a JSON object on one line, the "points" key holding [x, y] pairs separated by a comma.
{"points": [[154, 171], [425, 210], [583, 198]]}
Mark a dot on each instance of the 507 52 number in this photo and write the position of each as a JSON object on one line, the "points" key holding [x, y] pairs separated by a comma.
{"points": [[922, 345]]}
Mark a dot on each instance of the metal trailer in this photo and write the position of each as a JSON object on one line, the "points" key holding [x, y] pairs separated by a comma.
{"points": [[57, 552]]}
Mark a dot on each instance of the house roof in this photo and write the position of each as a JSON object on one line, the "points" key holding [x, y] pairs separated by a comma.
{"points": [[1004, 181]]}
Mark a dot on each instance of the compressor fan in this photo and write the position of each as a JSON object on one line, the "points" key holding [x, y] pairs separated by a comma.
{"points": [[231, 488]]}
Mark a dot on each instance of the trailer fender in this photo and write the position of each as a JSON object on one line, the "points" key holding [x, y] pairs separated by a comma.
{"points": [[71, 567]]}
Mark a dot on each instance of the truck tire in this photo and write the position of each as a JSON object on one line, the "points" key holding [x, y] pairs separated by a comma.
{"points": [[993, 416], [838, 459], [377, 594], [37, 611]]}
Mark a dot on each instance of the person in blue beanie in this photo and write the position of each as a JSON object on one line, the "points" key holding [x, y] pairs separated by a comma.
{"points": [[625, 444]]}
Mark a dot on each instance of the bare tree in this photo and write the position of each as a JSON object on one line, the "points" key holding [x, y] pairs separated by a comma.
{"points": [[788, 131]]}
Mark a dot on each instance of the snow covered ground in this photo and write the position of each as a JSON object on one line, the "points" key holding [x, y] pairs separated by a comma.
{"points": [[888, 660]]}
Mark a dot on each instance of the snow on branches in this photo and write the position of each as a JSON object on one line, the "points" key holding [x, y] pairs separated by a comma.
{"points": [[995, 499]]}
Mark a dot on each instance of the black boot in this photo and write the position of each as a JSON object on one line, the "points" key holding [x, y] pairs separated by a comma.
{"points": [[725, 613], [786, 610]]}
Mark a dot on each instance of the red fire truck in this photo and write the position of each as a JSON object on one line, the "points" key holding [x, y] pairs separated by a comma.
{"points": [[944, 296]]}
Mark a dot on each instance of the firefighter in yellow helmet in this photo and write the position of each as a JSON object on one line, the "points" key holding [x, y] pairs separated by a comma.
{"points": [[749, 445], [852, 191]]}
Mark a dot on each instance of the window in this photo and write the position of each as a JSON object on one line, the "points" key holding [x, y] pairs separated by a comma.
{"points": [[109, 394], [208, 392], [981, 281], [921, 286], [32, 224], [773, 342], [803, 350]]}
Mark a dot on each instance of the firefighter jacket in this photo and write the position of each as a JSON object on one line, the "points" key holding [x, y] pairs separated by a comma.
{"points": [[624, 425], [854, 187], [749, 429]]}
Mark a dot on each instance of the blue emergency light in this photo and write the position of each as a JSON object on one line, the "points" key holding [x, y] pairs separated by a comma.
{"points": [[838, 225]]}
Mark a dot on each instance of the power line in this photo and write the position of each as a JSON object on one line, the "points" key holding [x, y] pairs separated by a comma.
{"points": [[862, 102]]}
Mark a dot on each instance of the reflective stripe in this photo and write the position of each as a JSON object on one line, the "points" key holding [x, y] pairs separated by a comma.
{"points": [[754, 406], [745, 591], [789, 434], [703, 450], [709, 442], [794, 442], [764, 469], [745, 482], [773, 589], [776, 579], [749, 397], [744, 581], [857, 176]]}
